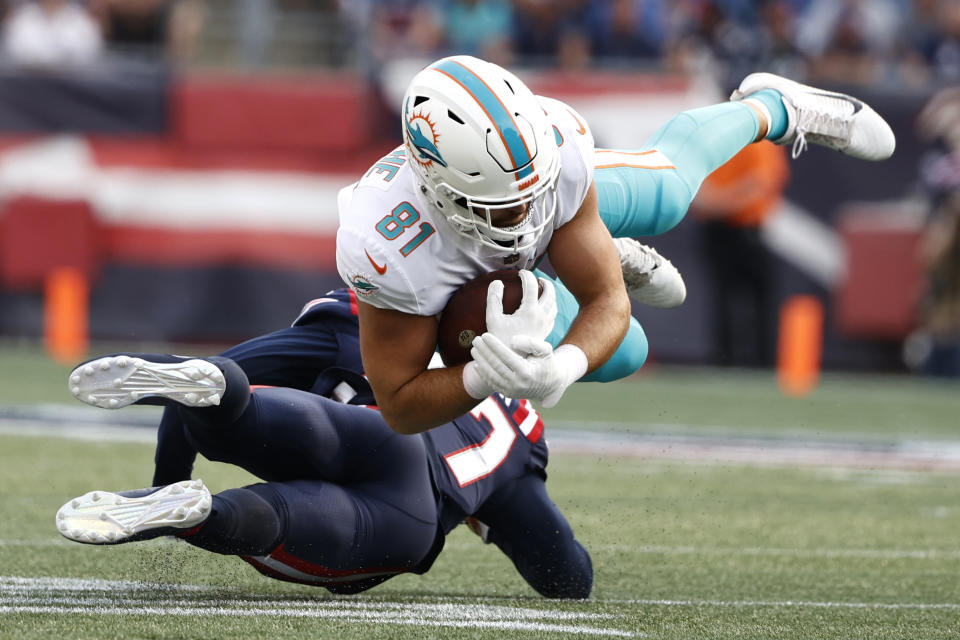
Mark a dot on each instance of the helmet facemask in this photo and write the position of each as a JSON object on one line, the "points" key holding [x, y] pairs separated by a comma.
{"points": [[473, 217]]}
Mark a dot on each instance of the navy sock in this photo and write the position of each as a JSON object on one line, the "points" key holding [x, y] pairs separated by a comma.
{"points": [[241, 522]]}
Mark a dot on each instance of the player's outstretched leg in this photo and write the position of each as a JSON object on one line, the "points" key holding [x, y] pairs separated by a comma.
{"points": [[102, 517], [119, 380], [827, 118], [650, 278]]}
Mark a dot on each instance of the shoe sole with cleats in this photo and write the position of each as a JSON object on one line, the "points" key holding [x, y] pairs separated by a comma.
{"points": [[101, 517], [112, 382]]}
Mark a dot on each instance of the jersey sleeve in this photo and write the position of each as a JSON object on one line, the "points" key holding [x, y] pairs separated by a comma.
{"points": [[577, 155], [573, 127], [373, 274], [364, 263]]}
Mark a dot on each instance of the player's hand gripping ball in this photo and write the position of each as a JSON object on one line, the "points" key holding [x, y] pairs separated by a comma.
{"points": [[465, 315]]}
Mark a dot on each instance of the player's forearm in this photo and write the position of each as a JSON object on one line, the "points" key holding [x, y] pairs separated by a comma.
{"points": [[600, 326], [432, 398]]}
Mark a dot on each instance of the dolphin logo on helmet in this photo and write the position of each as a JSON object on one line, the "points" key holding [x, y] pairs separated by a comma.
{"points": [[424, 145], [499, 150]]}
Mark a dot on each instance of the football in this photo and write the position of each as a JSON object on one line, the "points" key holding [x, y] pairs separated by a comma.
{"points": [[465, 315]]}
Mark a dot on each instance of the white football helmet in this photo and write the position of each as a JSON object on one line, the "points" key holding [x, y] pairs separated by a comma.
{"points": [[478, 140]]}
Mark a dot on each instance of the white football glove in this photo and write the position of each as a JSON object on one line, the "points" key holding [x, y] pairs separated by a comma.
{"points": [[535, 315], [542, 376]]}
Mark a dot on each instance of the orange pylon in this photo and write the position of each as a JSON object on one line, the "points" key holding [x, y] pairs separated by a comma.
{"points": [[800, 344], [66, 314]]}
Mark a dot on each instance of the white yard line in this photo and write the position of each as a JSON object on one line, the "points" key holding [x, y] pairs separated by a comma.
{"points": [[92, 584], [37, 595], [876, 554], [125, 598], [904, 455], [375, 618], [800, 604], [655, 442]]}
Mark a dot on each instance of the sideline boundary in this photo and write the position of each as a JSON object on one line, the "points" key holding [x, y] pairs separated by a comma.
{"points": [[603, 439]]}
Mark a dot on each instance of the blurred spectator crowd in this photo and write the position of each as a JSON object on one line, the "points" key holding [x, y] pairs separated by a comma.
{"points": [[851, 41], [64, 34]]}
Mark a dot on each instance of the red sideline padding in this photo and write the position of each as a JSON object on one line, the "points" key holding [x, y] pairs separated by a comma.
{"points": [[884, 279], [179, 249], [324, 112], [163, 154], [38, 236], [565, 85]]}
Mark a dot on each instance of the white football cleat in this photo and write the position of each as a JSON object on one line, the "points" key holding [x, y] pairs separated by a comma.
{"points": [[101, 517], [650, 278], [116, 381], [827, 118]]}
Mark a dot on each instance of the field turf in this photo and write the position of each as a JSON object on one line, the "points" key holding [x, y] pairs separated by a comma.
{"points": [[687, 541]]}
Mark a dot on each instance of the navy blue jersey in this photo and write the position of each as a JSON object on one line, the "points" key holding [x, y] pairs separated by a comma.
{"points": [[319, 352], [337, 304], [357, 502], [470, 458]]}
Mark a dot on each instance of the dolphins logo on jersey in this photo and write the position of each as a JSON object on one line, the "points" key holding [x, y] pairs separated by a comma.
{"points": [[425, 145], [362, 285]]}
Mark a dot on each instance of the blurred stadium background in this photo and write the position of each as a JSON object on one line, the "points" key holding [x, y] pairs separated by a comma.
{"points": [[168, 174], [182, 157]]}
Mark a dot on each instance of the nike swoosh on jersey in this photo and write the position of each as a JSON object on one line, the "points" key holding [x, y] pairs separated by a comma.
{"points": [[381, 270], [582, 129]]}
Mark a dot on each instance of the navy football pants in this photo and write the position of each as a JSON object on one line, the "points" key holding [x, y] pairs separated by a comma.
{"points": [[347, 503]]}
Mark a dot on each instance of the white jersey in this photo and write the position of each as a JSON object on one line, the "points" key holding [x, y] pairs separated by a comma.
{"points": [[397, 251]]}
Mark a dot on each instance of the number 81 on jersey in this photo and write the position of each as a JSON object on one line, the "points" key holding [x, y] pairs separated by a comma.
{"points": [[404, 216]]}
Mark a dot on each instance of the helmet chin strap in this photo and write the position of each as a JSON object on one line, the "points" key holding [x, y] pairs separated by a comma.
{"points": [[511, 231], [508, 237]]}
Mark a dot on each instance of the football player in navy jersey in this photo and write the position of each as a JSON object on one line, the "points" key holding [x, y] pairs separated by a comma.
{"points": [[345, 501]]}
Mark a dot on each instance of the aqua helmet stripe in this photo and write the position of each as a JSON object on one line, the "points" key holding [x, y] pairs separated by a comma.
{"points": [[498, 114]]}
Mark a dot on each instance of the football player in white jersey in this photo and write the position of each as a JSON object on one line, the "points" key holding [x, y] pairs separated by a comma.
{"points": [[491, 176]]}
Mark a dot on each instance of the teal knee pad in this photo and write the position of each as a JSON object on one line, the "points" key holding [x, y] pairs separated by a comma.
{"points": [[567, 309], [640, 202], [626, 360], [629, 356]]}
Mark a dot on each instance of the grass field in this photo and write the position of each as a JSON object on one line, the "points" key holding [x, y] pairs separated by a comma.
{"points": [[688, 540]]}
